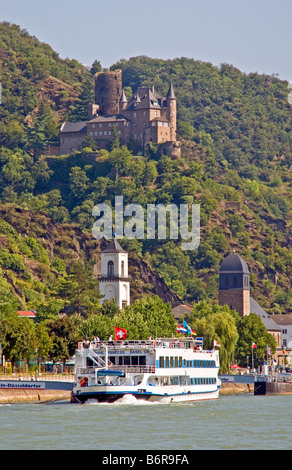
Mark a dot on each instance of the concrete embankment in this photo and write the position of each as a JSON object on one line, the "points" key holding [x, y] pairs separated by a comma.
{"points": [[27, 396], [22, 390], [236, 388]]}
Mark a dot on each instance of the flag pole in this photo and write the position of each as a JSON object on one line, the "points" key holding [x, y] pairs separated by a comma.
{"points": [[251, 356]]}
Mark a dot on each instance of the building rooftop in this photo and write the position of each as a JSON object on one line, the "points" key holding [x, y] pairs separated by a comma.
{"points": [[109, 118], [283, 320], [26, 313], [234, 263], [181, 310], [73, 127], [114, 247], [264, 316]]}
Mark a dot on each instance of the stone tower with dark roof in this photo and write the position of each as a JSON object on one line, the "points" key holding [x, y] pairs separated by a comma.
{"points": [[234, 289]]}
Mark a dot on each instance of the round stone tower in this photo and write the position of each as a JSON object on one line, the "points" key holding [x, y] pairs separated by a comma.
{"points": [[108, 91], [171, 104], [234, 289]]}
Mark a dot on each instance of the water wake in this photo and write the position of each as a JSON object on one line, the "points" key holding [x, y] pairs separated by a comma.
{"points": [[127, 399]]}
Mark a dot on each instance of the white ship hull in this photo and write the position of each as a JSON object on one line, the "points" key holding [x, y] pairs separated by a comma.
{"points": [[111, 394]]}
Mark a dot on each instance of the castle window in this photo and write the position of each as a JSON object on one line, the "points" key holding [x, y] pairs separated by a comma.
{"points": [[109, 124], [144, 113], [93, 125], [105, 132], [100, 133], [227, 281], [110, 269], [171, 104], [135, 115], [100, 125], [235, 281]]}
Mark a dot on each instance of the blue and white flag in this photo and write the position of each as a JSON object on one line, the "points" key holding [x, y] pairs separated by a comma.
{"points": [[189, 329]]}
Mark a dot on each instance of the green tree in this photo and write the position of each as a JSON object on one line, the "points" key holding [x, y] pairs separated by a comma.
{"points": [[18, 338], [8, 302], [79, 290], [252, 330], [65, 334], [79, 182], [148, 316], [215, 322]]}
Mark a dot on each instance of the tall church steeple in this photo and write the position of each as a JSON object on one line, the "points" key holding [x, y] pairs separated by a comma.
{"points": [[114, 281]]}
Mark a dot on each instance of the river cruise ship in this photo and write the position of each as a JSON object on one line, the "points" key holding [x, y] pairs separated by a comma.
{"points": [[165, 369]]}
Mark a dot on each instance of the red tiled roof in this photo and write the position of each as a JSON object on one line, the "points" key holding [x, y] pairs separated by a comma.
{"points": [[23, 313]]}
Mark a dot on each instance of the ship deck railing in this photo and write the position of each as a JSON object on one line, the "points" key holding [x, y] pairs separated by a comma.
{"points": [[146, 369], [171, 343]]}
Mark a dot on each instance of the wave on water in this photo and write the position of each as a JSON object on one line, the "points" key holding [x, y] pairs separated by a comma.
{"points": [[127, 399]]}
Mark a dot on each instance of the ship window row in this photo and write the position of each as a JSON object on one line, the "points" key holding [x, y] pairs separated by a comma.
{"points": [[128, 360], [202, 380], [181, 380], [170, 362]]}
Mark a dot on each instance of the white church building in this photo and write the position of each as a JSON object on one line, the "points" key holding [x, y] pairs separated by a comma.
{"points": [[114, 280]]}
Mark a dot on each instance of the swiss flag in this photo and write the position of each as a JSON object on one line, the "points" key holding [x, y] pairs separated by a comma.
{"points": [[120, 333]]}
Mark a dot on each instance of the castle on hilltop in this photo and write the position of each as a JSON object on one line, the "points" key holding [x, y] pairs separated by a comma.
{"points": [[146, 117]]}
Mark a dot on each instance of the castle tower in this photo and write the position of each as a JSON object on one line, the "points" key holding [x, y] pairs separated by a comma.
{"points": [[234, 288], [123, 102], [108, 91], [114, 281], [171, 104]]}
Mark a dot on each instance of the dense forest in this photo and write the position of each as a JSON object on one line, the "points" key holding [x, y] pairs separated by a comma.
{"points": [[235, 133]]}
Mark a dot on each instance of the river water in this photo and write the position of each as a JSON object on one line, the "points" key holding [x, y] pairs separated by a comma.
{"points": [[236, 422]]}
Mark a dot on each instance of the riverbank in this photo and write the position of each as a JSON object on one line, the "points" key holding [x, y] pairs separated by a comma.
{"points": [[235, 388], [31, 396]]}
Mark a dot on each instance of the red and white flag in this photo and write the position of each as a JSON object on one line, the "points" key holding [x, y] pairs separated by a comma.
{"points": [[215, 343], [253, 345], [120, 333]]}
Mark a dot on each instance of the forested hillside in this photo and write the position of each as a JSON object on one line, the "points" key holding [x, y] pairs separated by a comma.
{"points": [[235, 131]]}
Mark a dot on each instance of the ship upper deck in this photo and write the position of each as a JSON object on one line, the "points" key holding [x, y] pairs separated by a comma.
{"points": [[150, 344]]}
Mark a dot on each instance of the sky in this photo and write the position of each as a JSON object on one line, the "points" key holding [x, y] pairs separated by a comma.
{"points": [[252, 35]]}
